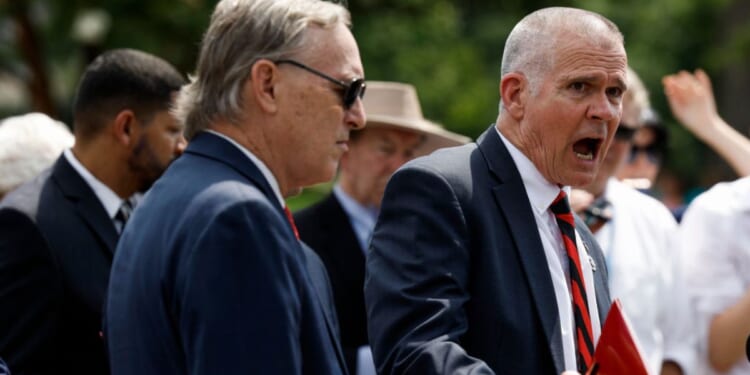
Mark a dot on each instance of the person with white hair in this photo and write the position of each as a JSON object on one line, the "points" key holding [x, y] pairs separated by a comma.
{"points": [[29, 144]]}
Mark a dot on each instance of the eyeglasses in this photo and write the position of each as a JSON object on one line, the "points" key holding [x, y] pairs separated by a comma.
{"points": [[653, 152], [624, 133], [352, 90]]}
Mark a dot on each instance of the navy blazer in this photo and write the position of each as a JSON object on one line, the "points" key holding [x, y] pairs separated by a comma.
{"points": [[56, 244], [457, 278], [210, 279], [325, 226]]}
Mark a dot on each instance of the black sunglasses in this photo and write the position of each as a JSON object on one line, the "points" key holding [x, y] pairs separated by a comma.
{"points": [[653, 153], [352, 90], [624, 133]]}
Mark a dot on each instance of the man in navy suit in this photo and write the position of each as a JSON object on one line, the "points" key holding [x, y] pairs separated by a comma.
{"points": [[58, 232], [209, 277], [469, 269], [339, 227]]}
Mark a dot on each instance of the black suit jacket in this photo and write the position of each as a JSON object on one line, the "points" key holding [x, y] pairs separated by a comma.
{"points": [[457, 278], [56, 246], [326, 228], [209, 278]]}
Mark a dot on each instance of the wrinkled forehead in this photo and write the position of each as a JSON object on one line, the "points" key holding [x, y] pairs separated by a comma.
{"points": [[588, 58]]}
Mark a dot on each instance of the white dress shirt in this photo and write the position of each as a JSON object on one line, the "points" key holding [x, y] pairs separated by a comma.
{"points": [[541, 194], [108, 198], [715, 241], [644, 274]]}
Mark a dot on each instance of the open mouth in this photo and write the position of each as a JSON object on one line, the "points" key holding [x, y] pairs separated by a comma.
{"points": [[587, 148]]}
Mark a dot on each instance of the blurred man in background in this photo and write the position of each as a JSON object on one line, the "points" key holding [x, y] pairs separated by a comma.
{"points": [[339, 227], [58, 231]]}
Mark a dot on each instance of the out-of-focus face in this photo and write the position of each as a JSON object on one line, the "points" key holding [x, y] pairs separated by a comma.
{"points": [[157, 143], [316, 123], [371, 160], [643, 158], [570, 121]]}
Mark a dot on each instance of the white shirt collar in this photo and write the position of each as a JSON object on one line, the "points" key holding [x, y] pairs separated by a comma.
{"points": [[540, 191], [106, 196], [258, 163]]}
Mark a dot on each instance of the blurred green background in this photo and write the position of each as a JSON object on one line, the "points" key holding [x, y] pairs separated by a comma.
{"points": [[449, 49]]}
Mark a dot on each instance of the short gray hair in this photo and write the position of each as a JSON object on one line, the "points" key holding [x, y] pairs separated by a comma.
{"points": [[29, 144], [240, 33], [529, 48], [636, 98]]}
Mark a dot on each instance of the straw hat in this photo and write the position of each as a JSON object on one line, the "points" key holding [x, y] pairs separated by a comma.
{"points": [[395, 105]]}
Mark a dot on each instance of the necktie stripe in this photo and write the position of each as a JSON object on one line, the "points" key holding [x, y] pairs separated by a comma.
{"points": [[583, 332], [584, 338], [584, 352]]}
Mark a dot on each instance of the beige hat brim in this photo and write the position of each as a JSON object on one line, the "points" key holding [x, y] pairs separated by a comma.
{"points": [[435, 136]]}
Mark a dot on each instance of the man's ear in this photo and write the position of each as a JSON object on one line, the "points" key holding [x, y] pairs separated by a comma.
{"points": [[125, 127], [262, 85], [514, 91]]}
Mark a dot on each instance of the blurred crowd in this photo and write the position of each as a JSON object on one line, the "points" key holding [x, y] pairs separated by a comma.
{"points": [[154, 237]]}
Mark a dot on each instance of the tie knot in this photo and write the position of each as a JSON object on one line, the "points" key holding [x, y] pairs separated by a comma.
{"points": [[123, 213], [560, 205], [126, 208]]}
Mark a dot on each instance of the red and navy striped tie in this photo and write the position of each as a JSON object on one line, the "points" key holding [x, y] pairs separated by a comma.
{"points": [[584, 336]]}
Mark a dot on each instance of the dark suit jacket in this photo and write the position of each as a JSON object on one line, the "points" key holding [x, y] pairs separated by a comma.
{"points": [[56, 245], [209, 278], [457, 278], [325, 227]]}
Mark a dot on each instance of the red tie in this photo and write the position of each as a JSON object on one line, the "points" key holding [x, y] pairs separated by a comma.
{"points": [[290, 218], [584, 337]]}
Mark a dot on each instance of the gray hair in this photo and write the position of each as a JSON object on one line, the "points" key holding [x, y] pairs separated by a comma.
{"points": [[29, 144], [636, 97], [240, 33], [530, 47]]}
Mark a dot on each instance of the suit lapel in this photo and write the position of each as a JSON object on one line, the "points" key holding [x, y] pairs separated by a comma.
{"points": [[513, 202], [85, 201]]}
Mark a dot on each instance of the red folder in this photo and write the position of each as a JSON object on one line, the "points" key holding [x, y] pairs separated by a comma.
{"points": [[617, 352]]}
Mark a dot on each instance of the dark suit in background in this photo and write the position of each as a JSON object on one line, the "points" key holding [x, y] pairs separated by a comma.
{"points": [[325, 227], [56, 246]]}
